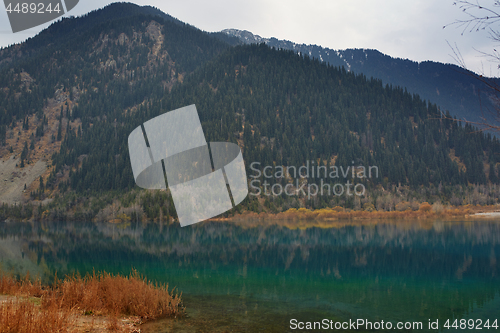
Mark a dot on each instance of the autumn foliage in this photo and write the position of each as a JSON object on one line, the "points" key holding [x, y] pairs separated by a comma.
{"points": [[32, 307]]}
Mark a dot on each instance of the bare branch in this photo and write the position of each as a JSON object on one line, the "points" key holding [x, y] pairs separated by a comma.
{"points": [[457, 56], [479, 16]]}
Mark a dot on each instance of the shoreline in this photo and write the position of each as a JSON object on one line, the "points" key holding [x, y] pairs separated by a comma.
{"points": [[487, 215], [333, 215], [425, 212]]}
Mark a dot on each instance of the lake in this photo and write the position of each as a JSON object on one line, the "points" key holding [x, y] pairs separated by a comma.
{"points": [[265, 277]]}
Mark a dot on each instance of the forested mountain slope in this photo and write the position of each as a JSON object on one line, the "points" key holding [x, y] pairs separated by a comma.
{"points": [[452, 88], [74, 101]]}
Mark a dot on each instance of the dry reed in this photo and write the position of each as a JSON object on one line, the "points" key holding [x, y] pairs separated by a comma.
{"points": [[94, 294], [109, 294], [25, 287], [23, 316]]}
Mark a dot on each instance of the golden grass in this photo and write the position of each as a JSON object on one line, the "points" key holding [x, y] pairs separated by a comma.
{"points": [[23, 316], [114, 294], [18, 287], [95, 294], [425, 212]]}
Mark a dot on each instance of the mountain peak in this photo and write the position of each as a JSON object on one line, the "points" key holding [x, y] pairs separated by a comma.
{"points": [[245, 36], [444, 84]]}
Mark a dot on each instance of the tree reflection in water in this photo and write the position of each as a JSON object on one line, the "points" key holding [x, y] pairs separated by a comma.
{"points": [[392, 271]]}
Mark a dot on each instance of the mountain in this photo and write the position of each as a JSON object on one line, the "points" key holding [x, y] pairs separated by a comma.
{"points": [[69, 101], [452, 88], [116, 59], [68, 29]]}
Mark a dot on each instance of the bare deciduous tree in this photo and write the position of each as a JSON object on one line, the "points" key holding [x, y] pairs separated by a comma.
{"points": [[480, 17]]}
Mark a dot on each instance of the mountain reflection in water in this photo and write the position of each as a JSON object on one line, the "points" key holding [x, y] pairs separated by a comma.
{"points": [[238, 276]]}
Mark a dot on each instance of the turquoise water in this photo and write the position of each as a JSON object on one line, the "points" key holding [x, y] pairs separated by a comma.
{"points": [[250, 279]]}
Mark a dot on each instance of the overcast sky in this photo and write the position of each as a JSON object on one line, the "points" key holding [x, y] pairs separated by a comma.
{"points": [[404, 29]]}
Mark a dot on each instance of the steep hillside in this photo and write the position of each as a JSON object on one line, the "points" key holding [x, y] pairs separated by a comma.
{"points": [[70, 29], [72, 103], [289, 109], [452, 88], [65, 82]]}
